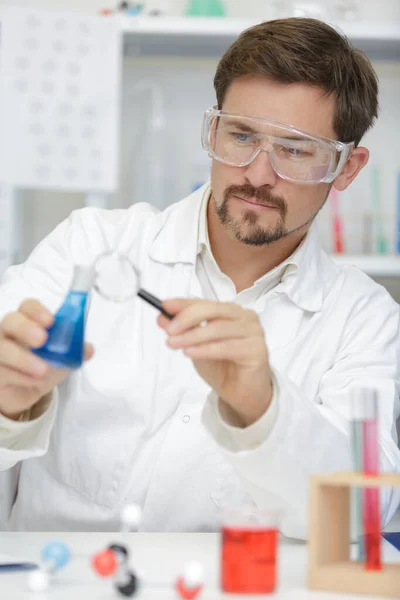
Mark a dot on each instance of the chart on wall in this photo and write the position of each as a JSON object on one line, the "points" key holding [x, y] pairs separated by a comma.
{"points": [[59, 100]]}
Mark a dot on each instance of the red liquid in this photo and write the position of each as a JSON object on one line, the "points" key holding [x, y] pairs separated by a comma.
{"points": [[372, 529], [248, 561], [371, 497]]}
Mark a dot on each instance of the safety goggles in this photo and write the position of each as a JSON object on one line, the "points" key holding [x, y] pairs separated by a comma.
{"points": [[294, 154]]}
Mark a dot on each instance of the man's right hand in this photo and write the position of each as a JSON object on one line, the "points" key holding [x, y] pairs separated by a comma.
{"points": [[24, 377]]}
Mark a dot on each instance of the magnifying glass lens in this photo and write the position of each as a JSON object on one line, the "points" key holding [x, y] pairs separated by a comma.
{"points": [[116, 277]]}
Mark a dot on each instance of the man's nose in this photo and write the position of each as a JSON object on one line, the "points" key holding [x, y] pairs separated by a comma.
{"points": [[260, 172]]}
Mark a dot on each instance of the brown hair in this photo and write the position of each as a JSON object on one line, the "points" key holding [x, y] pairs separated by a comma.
{"points": [[300, 50]]}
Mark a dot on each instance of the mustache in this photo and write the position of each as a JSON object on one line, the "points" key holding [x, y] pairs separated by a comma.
{"points": [[261, 195]]}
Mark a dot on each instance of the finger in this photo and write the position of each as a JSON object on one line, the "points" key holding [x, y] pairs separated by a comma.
{"points": [[220, 350], [203, 310], [15, 357], [12, 377], [172, 307], [232, 349], [175, 305], [215, 330], [163, 321], [56, 376], [17, 326], [37, 312], [89, 352]]}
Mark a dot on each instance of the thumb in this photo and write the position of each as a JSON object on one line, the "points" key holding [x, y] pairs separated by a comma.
{"points": [[175, 305], [58, 375]]}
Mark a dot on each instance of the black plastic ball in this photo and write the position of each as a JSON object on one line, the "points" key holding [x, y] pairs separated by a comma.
{"points": [[130, 587], [120, 550]]}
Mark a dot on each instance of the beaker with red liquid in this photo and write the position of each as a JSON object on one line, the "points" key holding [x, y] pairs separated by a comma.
{"points": [[249, 546]]}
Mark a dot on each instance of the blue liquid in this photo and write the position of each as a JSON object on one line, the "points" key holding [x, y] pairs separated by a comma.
{"points": [[64, 347]]}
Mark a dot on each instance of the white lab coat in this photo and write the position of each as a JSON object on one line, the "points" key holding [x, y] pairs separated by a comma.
{"points": [[134, 424]]}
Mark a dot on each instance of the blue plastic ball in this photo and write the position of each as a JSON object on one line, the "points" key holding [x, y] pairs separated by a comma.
{"points": [[57, 552]]}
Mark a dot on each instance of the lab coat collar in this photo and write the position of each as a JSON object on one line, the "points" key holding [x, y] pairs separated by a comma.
{"points": [[306, 284], [176, 242], [303, 282]]}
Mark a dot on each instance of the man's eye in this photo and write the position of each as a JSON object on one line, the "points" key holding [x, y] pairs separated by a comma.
{"points": [[293, 152], [241, 137]]}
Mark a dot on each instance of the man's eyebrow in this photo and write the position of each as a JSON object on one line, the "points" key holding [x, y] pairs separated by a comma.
{"points": [[239, 125], [244, 127], [294, 138]]}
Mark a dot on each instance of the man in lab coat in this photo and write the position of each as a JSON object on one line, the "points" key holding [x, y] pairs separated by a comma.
{"points": [[246, 392]]}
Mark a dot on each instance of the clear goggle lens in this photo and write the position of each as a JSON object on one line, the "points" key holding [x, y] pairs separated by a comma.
{"points": [[294, 155]]}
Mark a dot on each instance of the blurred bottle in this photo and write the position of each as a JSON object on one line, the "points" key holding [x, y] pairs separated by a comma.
{"points": [[205, 8], [346, 10], [313, 10], [155, 8], [280, 9], [398, 218]]}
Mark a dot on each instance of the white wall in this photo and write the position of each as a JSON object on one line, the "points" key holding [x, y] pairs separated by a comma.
{"points": [[370, 9]]}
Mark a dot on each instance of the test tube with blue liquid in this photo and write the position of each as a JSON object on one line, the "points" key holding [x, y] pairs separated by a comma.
{"points": [[381, 241]]}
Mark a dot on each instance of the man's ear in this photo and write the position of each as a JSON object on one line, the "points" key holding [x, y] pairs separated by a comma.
{"points": [[356, 161]]}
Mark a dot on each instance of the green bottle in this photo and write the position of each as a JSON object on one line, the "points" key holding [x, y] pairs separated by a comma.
{"points": [[205, 8]]}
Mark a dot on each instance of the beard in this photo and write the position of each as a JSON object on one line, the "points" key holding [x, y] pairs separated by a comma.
{"points": [[247, 229]]}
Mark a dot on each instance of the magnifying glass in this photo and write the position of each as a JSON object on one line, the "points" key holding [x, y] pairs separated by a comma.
{"points": [[117, 279]]}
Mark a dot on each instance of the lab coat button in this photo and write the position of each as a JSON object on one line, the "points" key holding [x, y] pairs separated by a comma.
{"points": [[318, 401], [186, 418]]}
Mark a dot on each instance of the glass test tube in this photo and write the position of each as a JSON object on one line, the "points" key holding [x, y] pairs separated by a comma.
{"points": [[364, 402], [356, 401]]}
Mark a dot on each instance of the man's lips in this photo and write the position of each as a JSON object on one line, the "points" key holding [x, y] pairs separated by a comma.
{"points": [[251, 201]]}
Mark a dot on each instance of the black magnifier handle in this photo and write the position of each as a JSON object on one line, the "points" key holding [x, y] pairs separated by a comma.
{"points": [[154, 301]]}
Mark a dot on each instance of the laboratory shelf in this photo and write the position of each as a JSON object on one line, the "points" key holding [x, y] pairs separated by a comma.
{"points": [[373, 265], [209, 37]]}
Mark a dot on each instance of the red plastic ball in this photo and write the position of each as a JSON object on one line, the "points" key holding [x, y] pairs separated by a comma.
{"points": [[185, 592], [105, 563]]}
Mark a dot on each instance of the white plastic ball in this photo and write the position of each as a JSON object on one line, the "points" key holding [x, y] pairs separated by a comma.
{"points": [[38, 581], [131, 515], [193, 573]]}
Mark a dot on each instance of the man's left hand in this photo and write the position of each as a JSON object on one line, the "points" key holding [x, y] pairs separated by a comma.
{"points": [[227, 345]]}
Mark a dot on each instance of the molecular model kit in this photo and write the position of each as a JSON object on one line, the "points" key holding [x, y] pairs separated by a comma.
{"points": [[113, 562]]}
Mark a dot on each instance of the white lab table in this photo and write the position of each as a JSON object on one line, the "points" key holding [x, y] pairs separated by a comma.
{"points": [[158, 558]]}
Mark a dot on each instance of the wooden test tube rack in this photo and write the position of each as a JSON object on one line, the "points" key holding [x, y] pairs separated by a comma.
{"points": [[329, 566]]}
